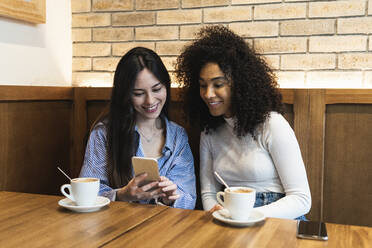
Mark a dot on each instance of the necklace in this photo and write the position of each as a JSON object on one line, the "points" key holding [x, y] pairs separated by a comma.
{"points": [[148, 140]]}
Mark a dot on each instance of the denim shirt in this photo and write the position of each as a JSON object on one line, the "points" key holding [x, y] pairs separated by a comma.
{"points": [[176, 162]]}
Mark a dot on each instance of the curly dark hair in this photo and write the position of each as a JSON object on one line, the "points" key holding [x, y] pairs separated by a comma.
{"points": [[254, 88]]}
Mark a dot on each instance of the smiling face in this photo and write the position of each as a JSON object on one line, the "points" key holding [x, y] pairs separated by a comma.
{"points": [[149, 96], [215, 90]]}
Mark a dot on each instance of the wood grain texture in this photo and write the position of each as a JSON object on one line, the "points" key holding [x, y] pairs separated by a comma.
{"points": [[30, 220], [315, 153], [29, 93], [187, 228], [289, 114], [348, 171], [80, 130], [30, 10], [35, 138], [362, 96], [288, 95]]}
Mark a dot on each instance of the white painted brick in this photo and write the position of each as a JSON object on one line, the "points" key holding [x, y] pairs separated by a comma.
{"points": [[170, 47], [308, 61], [105, 64], [80, 6], [81, 64], [189, 32], [179, 16], [272, 61], [368, 79], [113, 34], [355, 61], [280, 11], [334, 79], [81, 34], [256, 29], [119, 49], [86, 79], [133, 18], [228, 14], [290, 1], [280, 45], [337, 8], [361, 25], [91, 49], [337, 43], [169, 62], [289, 79], [158, 4], [112, 5], [91, 20], [307, 27], [203, 3], [254, 1], [157, 33], [370, 7]]}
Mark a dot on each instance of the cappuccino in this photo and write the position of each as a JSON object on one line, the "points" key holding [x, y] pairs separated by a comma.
{"points": [[241, 191], [84, 180]]}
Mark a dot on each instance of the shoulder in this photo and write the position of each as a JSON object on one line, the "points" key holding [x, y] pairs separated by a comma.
{"points": [[276, 126], [99, 131], [174, 128], [275, 120]]}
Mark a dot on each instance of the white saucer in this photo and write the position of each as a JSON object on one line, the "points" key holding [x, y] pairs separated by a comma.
{"points": [[255, 217], [69, 204]]}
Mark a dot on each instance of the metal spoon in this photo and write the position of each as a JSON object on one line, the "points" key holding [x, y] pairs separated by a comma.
{"points": [[63, 173], [227, 186]]}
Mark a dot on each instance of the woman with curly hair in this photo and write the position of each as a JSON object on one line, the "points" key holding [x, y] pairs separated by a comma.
{"points": [[232, 93]]}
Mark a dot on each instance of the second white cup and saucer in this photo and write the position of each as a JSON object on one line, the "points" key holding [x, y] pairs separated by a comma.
{"points": [[83, 195], [255, 217], [238, 207]]}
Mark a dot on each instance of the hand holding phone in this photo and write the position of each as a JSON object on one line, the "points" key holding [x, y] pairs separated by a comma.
{"points": [[142, 187], [146, 165], [312, 230]]}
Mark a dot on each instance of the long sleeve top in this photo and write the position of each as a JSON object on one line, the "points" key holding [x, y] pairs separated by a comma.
{"points": [[176, 163], [270, 163]]}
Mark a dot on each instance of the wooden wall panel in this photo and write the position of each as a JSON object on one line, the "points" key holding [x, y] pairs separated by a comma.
{"points": [[289, 114], [35, 138], [315, 153], [43, 126], [94, 110], [347, 185]]}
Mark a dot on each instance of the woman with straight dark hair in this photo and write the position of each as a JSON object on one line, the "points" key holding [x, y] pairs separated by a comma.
{"points": [[137, 125]]}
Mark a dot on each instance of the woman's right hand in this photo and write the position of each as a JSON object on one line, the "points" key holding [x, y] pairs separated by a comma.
{"points": [[215, 208], [133, 192]]}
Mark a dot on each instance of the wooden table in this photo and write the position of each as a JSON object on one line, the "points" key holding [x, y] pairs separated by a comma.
{"points": [[192, 228], [30, 220]]}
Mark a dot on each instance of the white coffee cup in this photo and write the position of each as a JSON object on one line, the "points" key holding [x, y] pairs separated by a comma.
{"points": [[83, 190], [239, 201]]}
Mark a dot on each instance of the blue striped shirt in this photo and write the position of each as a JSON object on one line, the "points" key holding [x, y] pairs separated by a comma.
{"points": [[176, 163]]}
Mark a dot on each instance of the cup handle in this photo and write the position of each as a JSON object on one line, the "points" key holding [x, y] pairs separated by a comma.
{"points": [[220, 201], [69, 196]]}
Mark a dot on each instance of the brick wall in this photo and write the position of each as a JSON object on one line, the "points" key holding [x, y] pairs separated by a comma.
{"points": [[308, 43]]}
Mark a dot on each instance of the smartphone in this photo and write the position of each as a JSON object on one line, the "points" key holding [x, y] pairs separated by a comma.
{"points": [[311, 230], [148, 165]]}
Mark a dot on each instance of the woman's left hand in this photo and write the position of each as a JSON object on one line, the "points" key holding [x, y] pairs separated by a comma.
{"points": [[170, 190]]}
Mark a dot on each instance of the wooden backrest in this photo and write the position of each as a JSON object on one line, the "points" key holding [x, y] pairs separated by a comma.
{"points": [[42, 127]]}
